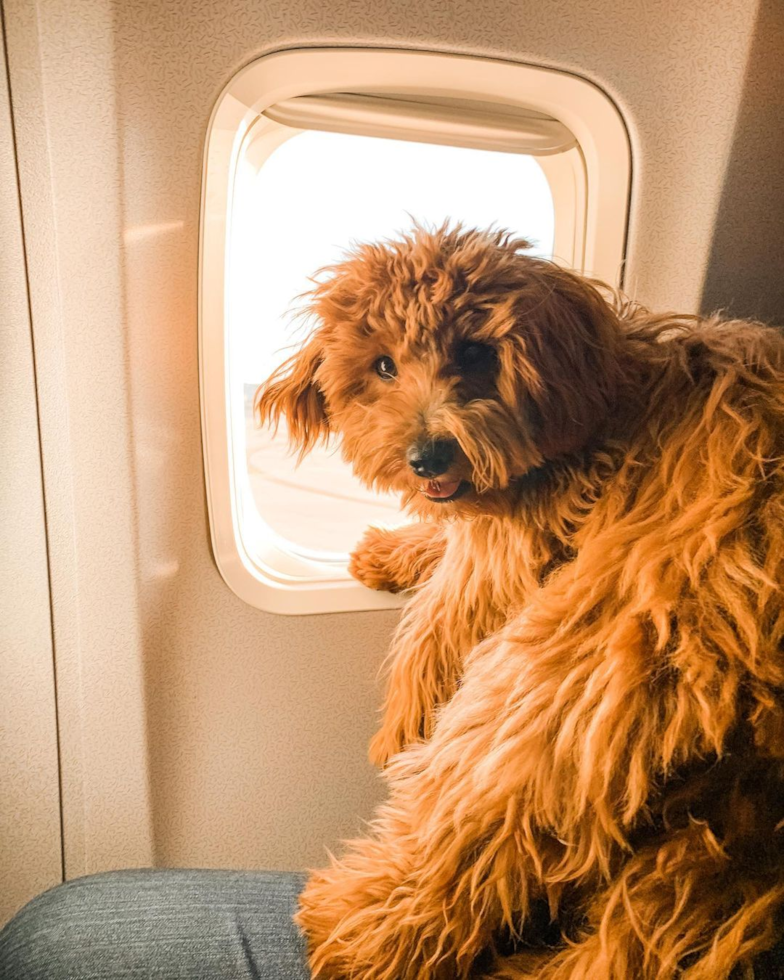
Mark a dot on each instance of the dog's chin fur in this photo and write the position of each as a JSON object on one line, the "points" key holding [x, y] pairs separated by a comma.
{"points": [[583, 732], [470, 502], [466, 502]]}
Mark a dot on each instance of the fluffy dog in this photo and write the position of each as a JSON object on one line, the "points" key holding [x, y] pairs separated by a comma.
{"points": [[583, 734]]}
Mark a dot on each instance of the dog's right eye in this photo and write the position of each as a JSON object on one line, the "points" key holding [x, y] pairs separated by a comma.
{"points": [[473, 356], [385, 368]]}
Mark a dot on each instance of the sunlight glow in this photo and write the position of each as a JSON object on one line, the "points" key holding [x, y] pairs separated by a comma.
{"points": [[314, 196]]}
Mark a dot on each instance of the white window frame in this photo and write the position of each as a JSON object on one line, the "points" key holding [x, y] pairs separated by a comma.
{"points": [[590, 185]]}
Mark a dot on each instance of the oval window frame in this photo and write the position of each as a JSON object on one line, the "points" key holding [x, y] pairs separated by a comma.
{"points": [[590, 235]]}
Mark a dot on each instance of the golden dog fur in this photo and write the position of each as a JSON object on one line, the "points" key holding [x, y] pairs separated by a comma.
{"points": [[584, 720]]}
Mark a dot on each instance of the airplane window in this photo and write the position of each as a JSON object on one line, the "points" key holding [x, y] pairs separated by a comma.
{"points": [[311, 151]]}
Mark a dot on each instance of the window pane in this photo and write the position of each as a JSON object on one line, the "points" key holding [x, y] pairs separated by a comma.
{"points": [[315, 195]]}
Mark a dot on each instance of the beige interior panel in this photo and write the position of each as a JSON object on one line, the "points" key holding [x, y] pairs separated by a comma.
{"points": [[195, 729], [30, 845], [748, 237], [62, 78]]}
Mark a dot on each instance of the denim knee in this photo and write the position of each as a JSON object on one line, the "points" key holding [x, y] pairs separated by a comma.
{"points": [[162, 924], [43, 941]]}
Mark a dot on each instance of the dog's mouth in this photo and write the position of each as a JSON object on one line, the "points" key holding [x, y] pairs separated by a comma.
{"points": [[442, 491]]}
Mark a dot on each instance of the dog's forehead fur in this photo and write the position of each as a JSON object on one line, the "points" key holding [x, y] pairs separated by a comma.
{"points": [[427, 288]]}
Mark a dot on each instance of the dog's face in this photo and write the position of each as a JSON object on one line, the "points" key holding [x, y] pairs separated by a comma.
{"points": [[451, 365]]}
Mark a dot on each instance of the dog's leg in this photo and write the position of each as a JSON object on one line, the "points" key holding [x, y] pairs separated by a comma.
{"points": [[378, 914], [453, 857], [423, 669], [393, 561], [425, 661], [457, 853]]}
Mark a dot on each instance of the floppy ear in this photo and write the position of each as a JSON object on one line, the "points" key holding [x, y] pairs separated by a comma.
{"points": [[292, 390], [571, 337]]}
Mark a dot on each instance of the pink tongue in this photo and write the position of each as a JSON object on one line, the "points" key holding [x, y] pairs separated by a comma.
{"points": [[438, 489]]}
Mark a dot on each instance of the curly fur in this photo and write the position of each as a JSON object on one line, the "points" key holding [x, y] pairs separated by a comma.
{"points": [[583, 734]]}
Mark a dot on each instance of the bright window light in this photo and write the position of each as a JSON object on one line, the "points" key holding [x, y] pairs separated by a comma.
{"points": [[314, 196]]}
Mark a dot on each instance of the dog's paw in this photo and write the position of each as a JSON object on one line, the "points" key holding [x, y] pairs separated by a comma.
{"points": [[364, 921], [339, 917], [373, 562], [317, 917]]}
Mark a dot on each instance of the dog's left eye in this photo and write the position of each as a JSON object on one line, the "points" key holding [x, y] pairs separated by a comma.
{"points": [[385, 368], [471, 356]]}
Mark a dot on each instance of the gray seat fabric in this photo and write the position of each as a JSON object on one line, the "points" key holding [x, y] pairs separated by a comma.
{"points": [[161, 925]]}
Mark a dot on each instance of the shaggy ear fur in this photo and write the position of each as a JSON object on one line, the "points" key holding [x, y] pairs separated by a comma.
{"points": [[292, 390], [570, 334]]}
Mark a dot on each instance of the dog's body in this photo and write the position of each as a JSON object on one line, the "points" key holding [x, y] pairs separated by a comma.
{"points": [[585, 709]]}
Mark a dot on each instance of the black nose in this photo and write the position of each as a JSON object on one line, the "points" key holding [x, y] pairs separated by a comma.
{"points": [[431, 458]]}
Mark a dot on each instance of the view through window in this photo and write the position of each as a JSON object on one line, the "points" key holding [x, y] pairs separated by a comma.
{"points": [[314, 196]]}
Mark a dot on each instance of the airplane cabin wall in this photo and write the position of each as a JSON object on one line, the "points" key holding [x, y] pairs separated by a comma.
{"points": [[194, 729], [30, 845]]}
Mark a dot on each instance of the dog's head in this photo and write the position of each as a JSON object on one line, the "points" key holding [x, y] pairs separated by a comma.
{"points": [[451, 365]]}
